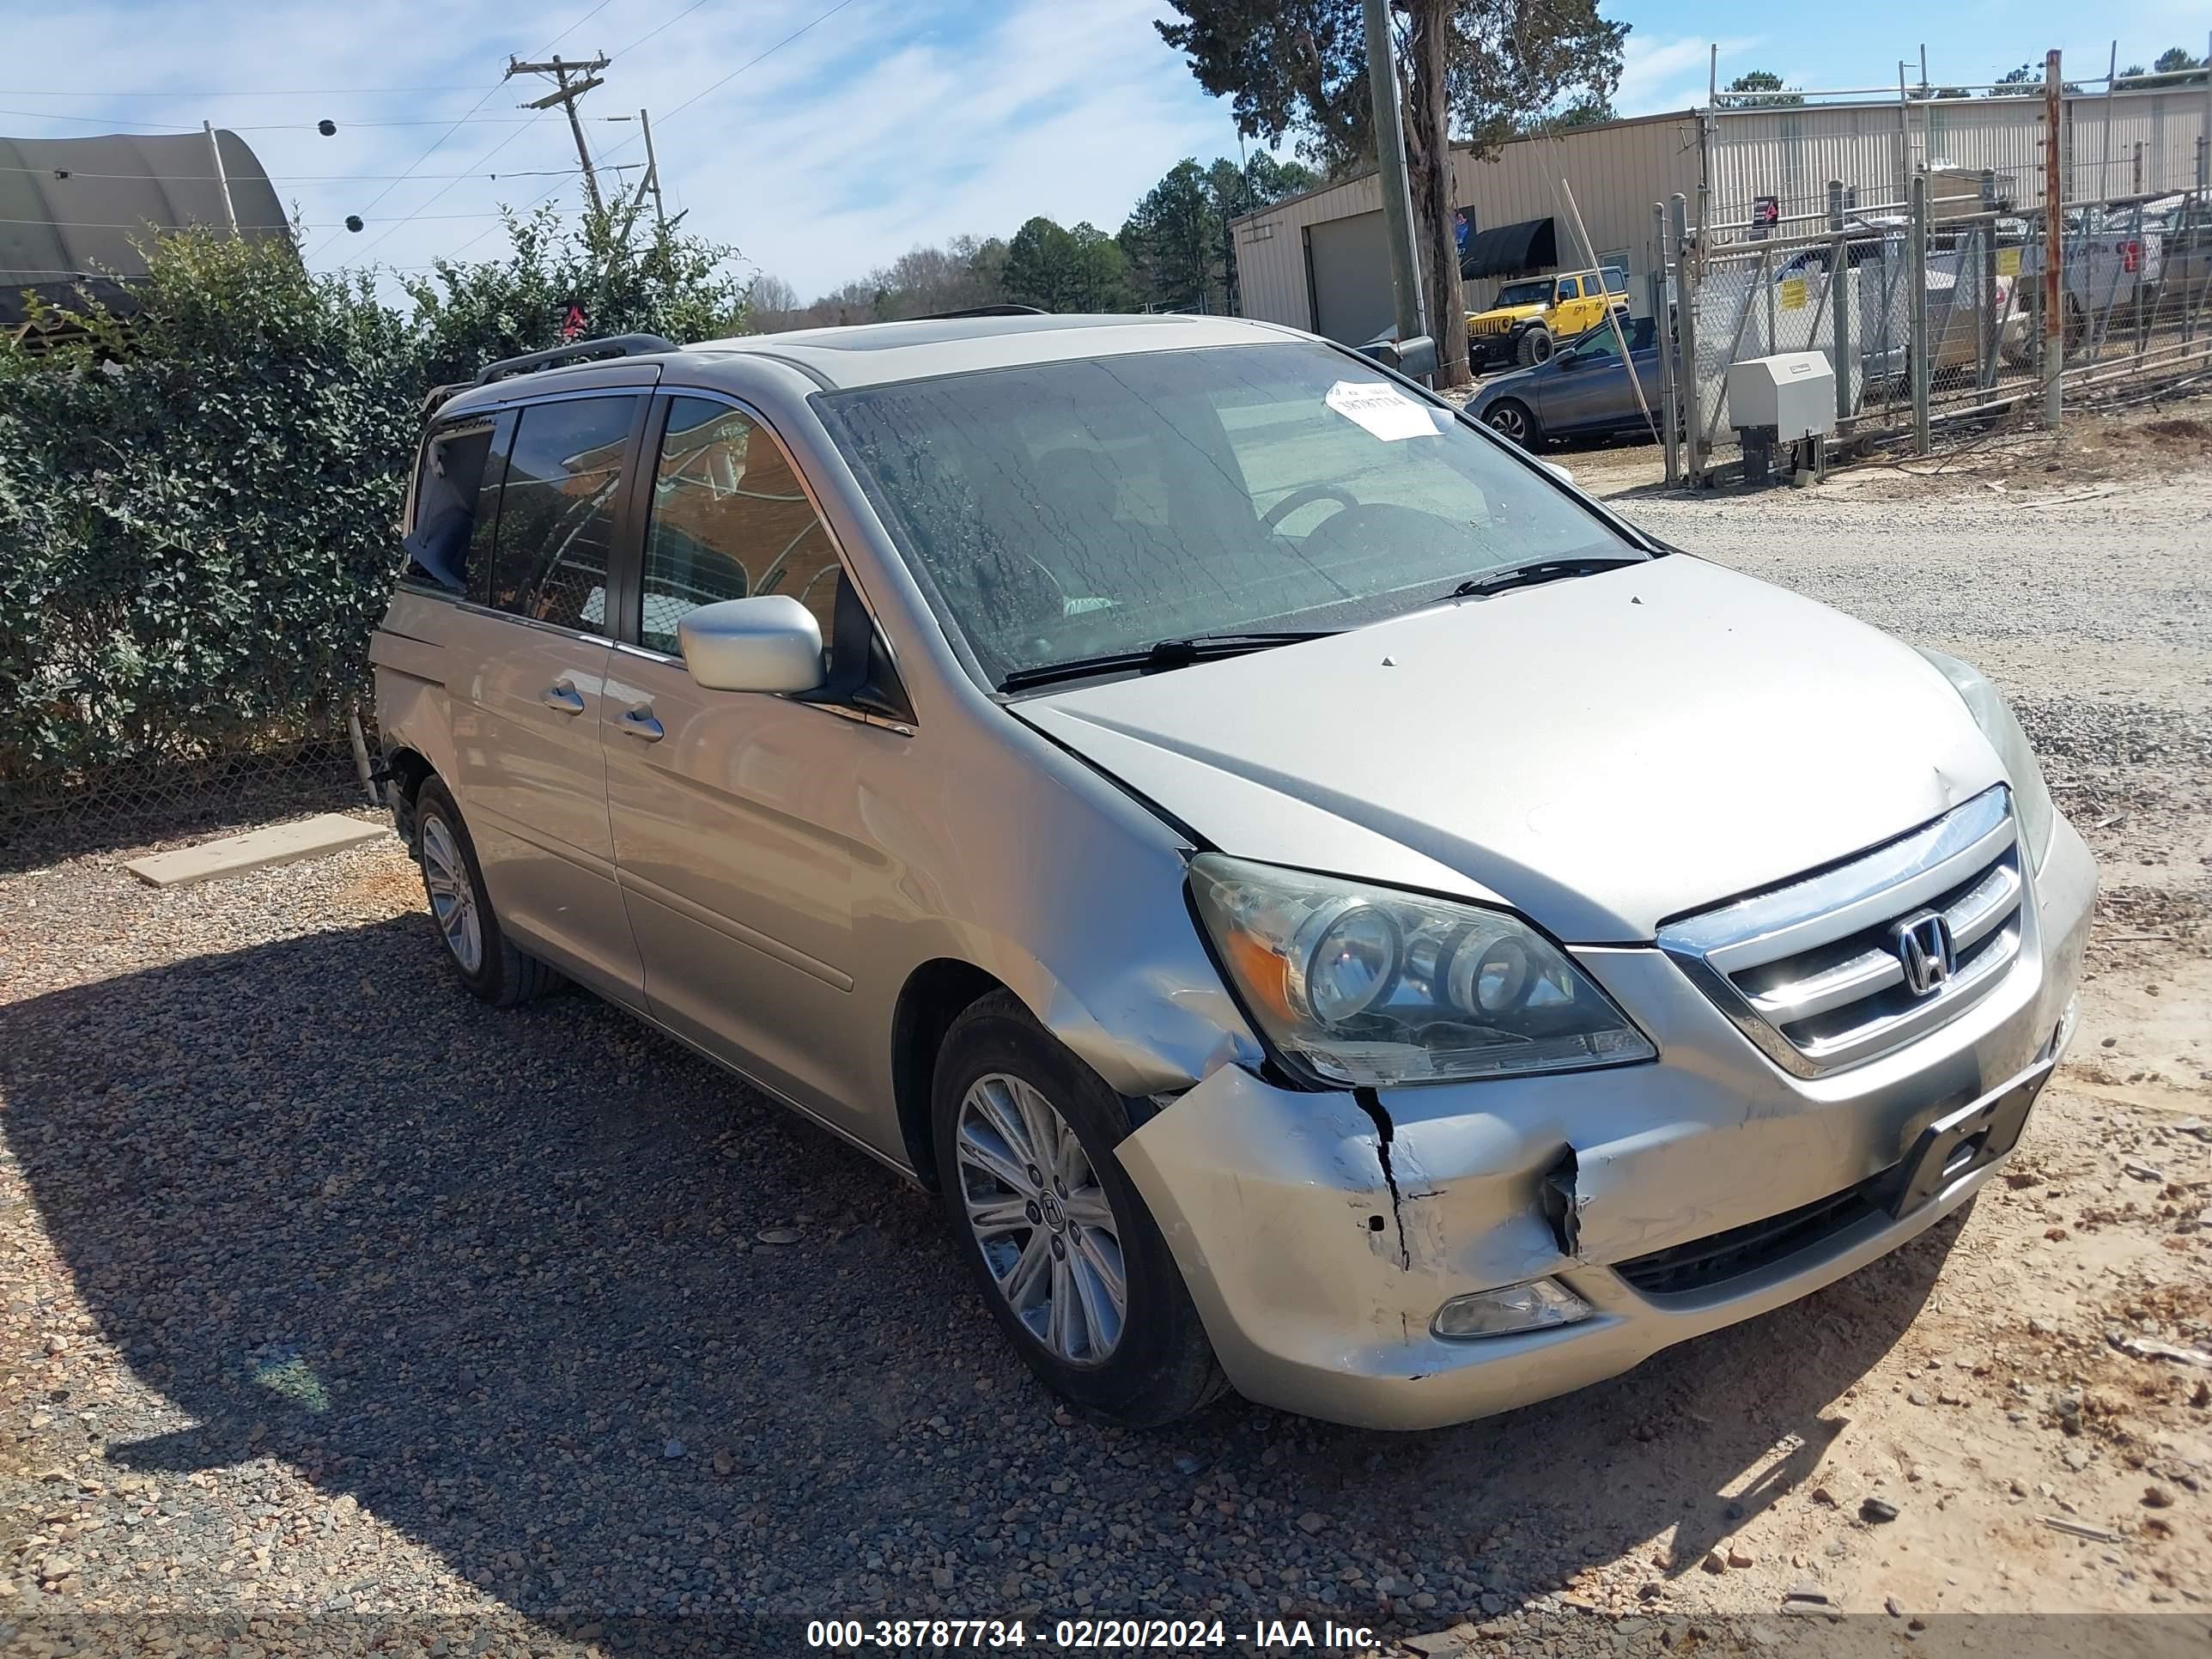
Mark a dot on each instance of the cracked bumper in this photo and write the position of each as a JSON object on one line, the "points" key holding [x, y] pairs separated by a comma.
{"points": [[1317, 1283]]}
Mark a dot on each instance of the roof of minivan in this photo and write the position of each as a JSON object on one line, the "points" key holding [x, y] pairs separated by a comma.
{"points": [[871, 354]]}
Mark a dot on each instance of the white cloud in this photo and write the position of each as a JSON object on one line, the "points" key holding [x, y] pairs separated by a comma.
{"points": [[1668, 73], [887, 125]]}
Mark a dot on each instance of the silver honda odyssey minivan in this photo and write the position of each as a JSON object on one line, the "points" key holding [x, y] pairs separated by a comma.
{"points": [[1331, 909]]}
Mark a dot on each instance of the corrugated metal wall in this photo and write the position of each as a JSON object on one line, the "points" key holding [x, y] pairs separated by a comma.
{"points": [[1619, 169]]}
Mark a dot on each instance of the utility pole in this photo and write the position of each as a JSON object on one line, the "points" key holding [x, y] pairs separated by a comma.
{"points": [[2054, 243], [652, 173], [1390, 160], [566, 93]]}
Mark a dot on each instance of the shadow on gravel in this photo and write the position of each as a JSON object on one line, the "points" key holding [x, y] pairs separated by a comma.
{"points": [[494, 1275]]}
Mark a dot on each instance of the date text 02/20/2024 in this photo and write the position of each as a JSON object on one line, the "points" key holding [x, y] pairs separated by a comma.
{"points": [[1082, 1635]]}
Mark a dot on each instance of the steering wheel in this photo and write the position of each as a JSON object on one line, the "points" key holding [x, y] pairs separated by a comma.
{"points": [[1306, 497]]}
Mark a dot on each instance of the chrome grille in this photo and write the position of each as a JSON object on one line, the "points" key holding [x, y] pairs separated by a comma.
{"points": [[1812, 971]]}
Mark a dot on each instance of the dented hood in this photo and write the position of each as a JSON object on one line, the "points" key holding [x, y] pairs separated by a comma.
{"points": [[1600, 753]]}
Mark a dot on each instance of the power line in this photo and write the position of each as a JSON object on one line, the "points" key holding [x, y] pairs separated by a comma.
{"points": [[669, 24], [241, 92], [456, 127], [749, 62], [145, 224], [283, 126], [717, 86], [386, 233], [301, 178]]}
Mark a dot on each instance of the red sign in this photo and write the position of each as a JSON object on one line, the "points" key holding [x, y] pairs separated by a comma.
{"points": [[2131, 256]]}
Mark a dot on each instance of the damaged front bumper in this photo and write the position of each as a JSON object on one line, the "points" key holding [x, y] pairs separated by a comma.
{"points": [[1320, 1233]]}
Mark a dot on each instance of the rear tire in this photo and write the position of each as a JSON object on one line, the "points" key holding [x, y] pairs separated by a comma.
{"points": [[1046, 1244], [1535, 347], [476, 947]]}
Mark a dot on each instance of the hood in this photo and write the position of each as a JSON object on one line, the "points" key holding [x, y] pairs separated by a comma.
{"points": [[1600, 753]]}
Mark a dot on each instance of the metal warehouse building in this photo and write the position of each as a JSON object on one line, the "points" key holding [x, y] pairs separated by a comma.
{"points": [[1319, 261]]}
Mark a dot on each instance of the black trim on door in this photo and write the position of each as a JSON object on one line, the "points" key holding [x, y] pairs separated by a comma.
{"points": [[625, 554]]}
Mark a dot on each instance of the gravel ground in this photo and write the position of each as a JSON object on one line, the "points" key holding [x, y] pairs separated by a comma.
{"points": [[338, 1311]]}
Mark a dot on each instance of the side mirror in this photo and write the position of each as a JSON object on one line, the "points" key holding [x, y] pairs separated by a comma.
{"points": [[1564, 359], [768, 643]]}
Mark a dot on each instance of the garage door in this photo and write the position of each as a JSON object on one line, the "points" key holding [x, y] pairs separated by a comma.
{"points": [[1349, 260]]}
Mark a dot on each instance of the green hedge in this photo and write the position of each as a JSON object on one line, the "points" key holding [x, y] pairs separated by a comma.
{"points": [[199, 507]]}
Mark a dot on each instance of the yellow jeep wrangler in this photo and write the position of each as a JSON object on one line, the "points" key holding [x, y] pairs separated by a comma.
{"points": [[1528, 316]]}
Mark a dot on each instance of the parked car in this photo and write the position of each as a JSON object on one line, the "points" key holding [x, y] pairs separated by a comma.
{"points": [[1327, 906], [1522, 323], [1583, 390]]}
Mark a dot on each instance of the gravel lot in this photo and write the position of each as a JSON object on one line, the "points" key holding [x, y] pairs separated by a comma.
{"points": [[337, 1310]]}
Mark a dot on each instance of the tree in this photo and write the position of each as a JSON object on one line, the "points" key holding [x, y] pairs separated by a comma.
{"points": [[772, 306], [1764, 82], [1476, 71], [2174, 67], [1173, 242], [597, 277], [1054, 269], [2026, 81]]}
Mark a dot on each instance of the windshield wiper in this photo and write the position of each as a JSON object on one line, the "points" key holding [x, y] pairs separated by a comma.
{"points": [[1161, 653], [1538, 571]]}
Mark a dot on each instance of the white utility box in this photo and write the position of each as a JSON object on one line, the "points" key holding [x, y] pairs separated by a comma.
{"points": [[1788, 396]]}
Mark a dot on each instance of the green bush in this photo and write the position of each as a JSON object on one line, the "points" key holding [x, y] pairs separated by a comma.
{"points": [[196, 512], [198, 504]]}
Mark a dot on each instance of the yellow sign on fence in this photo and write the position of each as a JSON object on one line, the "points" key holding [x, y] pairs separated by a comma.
{"points": [[2007, 262], [1793, 294]]}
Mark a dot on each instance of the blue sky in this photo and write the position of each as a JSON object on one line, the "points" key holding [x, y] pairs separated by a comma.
{"points": [[883, 123]]}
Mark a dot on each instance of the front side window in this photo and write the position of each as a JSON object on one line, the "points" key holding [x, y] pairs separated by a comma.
{"points": [[1570, 289], [729, 520], [557, 517], [1072, 509]]}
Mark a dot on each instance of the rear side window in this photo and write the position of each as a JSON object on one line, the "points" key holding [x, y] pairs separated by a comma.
{"points": [[456, 506], [557, 517]]}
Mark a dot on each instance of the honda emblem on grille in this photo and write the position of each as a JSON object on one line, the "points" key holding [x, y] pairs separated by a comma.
{"points": [[1922, 944]]}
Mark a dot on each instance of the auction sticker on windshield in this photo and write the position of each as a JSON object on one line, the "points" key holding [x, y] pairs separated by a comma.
{"points": [[1384, 410]]}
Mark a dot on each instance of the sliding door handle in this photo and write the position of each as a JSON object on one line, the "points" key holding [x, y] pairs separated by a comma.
{"points": [[640, 725]]}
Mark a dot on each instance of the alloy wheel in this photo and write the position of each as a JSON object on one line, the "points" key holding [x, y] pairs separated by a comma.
{"points": [[452, 894], [1508, 421], [1042, 1220]]}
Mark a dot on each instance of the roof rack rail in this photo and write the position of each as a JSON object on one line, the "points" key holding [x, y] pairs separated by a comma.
{"points": [[983, 311], [612, 345]]}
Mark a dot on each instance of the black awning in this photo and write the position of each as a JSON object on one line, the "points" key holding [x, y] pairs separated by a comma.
{"points": [[1510, 250]]}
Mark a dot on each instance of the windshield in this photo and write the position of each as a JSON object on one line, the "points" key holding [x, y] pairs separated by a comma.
{"points": [[1538, 292], [1070, 510]]}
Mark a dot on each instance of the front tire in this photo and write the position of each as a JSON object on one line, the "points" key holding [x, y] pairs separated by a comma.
{"points": [[1509, 418], [476, 947], [1535, 346], [1068, 1259]]}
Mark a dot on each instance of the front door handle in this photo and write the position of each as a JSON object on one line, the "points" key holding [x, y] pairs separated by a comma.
{"points": [[640, 723], [564, 697]]}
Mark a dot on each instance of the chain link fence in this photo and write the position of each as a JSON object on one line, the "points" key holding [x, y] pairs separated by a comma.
{"points": [[1936, 318], [182, 785]]}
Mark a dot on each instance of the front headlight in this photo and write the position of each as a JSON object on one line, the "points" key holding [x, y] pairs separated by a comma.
{"points": [[1367, 985], [2031, 796]]}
